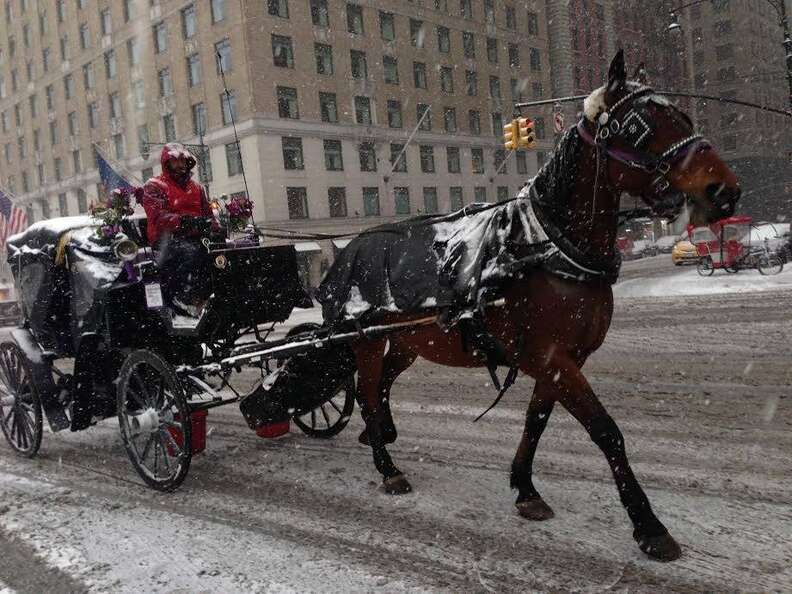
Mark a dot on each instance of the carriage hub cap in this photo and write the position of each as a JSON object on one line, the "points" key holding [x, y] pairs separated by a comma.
{"points": [[146, 422]]}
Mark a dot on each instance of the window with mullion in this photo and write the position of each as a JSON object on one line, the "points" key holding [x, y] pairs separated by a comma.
{"points": [[328, 107], [278, 8], [292, 153], [324, 59], [334, 160], [282, 51]]}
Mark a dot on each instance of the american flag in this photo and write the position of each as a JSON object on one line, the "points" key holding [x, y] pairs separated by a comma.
{"points": [[12, 219]]}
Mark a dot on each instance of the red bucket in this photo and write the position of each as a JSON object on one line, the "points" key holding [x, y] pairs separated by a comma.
{"points": [[273, 430], [198, 420]]}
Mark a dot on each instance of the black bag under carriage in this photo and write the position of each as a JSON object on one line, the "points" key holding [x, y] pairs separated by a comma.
{"points": [[304, 382]]}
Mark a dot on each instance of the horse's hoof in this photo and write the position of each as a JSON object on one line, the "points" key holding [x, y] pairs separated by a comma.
{"points": [[660, 548], [396, 485], [534, 509], [363, 437]]}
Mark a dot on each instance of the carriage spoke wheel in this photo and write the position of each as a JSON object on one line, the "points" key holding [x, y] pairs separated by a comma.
{"points": [[770, 265], [154, 419], [330, 418], [705, 266], [20, 406]]}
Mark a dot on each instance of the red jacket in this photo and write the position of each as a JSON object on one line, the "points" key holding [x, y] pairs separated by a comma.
{"points": [[165, 202]]}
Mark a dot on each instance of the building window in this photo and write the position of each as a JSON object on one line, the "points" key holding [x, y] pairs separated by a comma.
{"points": [[292, 153], [363, 110], [394, 114], [169, 127], [492, 50], [278, 8], [139, 94], [447, 79], [228, 107], [489, 11], [45, 54], [367, 156], [89, 80], [68, 86], [423, 115], [371, 203], [724, 52], [324, 58], [465, 9], [115, 105], [297, 201], [359, 66], [188, 20], [536, 60], [456, 198], [503, 193], [110, 65], [287, 103], [334, 160], [430, 200], [199, 119], [401, 198], [497, 124], [85, 36], [233, 159], [165, 82], [443, 40], [320, 14], [282, 51], [71, 123], [480, 194], [328, 107], [63, 206], [416, 33], [391, 67], [474, 122], [76, 161], [539, 128], [471, 83], [452, 156], [105, 21], [336, 202], [514, 55], [354, 18], [419, 75], [398, 158], [387, 26], [118, 145], [143, 140], [522, 162], [82, 200], [477, 160], [511, 18], [427, 159], [495, 87], [93, 115], [160, 38], [194, 69], [218, 10], [449, 119], [469, 44], [499, 161], [223, 56], [133, 51]]}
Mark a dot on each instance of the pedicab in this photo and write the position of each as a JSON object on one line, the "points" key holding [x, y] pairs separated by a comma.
{"points": [[722, 245], [97, 341]]}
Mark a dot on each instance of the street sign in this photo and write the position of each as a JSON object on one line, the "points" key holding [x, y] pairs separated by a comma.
{"points": [[558, 122]]}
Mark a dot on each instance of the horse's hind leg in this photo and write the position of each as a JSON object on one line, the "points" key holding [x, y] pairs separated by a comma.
{"points": [[529, 503], [370, 355], [395, 362], [575, 394]]}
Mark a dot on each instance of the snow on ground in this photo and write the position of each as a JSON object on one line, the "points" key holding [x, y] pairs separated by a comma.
{"points": [[690, 282]]}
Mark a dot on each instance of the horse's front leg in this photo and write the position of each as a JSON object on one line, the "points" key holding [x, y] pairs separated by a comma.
{"points": [[575, 394], [370, 356], [529, 503]]}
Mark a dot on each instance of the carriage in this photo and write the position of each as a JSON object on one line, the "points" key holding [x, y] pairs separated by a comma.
{"points": [[98, 341], [726, 244]]}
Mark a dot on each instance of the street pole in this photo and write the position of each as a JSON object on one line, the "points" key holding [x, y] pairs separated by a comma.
{"points": [[787, 48]]}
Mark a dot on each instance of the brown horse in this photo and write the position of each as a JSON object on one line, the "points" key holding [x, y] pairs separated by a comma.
{"points": [[630, 141]]}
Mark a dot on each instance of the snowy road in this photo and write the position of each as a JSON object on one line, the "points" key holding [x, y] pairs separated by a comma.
{"points": [[700, 386]]}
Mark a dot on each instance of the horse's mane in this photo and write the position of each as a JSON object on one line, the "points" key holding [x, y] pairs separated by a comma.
{"points": [[556, 179]]}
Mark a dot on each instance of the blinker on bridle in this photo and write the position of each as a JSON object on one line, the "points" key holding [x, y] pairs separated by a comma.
{"points": [[632, 126]]}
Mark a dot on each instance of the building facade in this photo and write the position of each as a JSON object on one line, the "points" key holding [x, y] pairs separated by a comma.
{"points": [[348, 114]]}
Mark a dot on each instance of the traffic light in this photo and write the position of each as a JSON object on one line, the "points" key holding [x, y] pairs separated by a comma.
{"points": [[510, 136], [525, 133]]}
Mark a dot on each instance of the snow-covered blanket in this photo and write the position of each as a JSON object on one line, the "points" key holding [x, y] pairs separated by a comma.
{"points": [[433, 261]]}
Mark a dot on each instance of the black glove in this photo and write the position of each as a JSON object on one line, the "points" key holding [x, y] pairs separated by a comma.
{"points": [[199, 225]]}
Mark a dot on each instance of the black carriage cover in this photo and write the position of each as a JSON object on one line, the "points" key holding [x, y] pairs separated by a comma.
{"points": [[455, 260], [61, 274]]}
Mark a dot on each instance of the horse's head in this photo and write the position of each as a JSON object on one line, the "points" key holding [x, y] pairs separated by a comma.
{"points": [[653, 151]]}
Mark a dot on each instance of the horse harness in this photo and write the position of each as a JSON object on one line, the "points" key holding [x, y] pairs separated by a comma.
{"points": [[628, 120]]}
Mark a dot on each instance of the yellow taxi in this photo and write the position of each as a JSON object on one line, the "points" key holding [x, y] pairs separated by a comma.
{"points": [[684, 252]]}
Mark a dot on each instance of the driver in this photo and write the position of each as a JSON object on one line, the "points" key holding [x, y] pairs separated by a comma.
{"points": [[179, 217]]}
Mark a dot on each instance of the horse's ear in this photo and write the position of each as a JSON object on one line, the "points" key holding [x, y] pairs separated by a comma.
{"points": [[641, 75], [617, 75]]}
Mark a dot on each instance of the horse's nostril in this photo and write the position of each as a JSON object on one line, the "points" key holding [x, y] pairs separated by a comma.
{"points": [[714, 190]]}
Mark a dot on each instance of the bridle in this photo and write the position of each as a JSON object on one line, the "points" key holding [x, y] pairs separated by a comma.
{"points": [[628, 120]]}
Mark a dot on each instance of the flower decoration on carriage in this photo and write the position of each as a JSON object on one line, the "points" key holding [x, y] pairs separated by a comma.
{"points": [[239, 210], [112, 211]]}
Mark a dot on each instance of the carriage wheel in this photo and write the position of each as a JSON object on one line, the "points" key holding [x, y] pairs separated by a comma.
{"points": [[733, 269], [20, 406], [769, 265], [154, 419], [330, 418], [705, 266]]}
